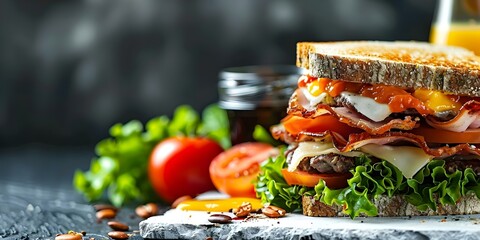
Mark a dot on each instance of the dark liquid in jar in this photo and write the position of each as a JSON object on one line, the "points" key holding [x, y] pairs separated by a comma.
{"points": [[243, 122]]}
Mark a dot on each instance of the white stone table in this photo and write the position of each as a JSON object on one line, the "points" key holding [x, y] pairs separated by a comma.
{"points": [[176, 224]]}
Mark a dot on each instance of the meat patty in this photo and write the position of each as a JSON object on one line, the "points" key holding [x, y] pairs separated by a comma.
{"points": [[334, 163], [454, 165], [327, 163]]}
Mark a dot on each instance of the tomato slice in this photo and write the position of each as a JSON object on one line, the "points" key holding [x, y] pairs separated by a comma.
{"points": [[434, 135], [302, 178], [296, 124], [233, 171]]}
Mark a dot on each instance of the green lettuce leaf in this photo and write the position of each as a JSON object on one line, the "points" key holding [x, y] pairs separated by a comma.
{"points": [[272, 188], [260, 134], [432, 185]]}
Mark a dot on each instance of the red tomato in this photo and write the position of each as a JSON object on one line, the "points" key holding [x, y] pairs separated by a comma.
{"points": [[443, 136], [234, 170], [302, 178], [296, 124], [179, 166]]}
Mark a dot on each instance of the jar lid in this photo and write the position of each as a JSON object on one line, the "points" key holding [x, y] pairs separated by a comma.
{"points": [[249, 87]]}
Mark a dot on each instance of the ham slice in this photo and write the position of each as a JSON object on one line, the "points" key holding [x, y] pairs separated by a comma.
{"points": [[467, 117]]}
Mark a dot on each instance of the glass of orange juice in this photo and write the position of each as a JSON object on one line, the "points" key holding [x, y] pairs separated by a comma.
{"points": [[457, 23]]}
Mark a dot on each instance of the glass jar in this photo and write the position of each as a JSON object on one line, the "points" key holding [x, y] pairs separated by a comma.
{"points": [[254, 95], [457, 23]]}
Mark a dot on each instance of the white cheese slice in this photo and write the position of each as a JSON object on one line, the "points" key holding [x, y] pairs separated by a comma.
{"points": [[311, 149], [313, 100], [408, 159], [367, 106]]}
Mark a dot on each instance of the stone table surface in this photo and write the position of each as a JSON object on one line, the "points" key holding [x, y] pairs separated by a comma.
{"points": [[37, 199], [176, 224]]}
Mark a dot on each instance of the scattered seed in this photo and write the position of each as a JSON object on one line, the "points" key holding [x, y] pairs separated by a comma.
{"points": [[142, 212], [180, 200], [219, 218], [99, 207], [273, 211], [152, 208], [147, 210], [106, 214], [69, 236], [117, 226], [118, 235], [243, 210]]}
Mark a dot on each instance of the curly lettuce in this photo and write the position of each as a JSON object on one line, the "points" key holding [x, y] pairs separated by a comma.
{"points": [[431, 185], [272, 188]]}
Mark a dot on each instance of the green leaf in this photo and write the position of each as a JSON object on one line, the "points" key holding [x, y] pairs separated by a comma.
{"points": [[215, 125], [124, 189], [156, 129], [260, 134], [119, 171], [272, 188], [133, 127], [185, 122], [431, 185]]}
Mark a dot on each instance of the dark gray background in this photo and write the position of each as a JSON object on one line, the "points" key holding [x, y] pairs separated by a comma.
{"points": [[71, 69]]}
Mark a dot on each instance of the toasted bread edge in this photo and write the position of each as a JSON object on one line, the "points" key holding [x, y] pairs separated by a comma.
{"points": [[455, 81], [395, 206]]}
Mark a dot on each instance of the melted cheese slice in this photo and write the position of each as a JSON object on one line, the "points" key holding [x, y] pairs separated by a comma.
{"points": [[408, 159], [364, 105], [313, 100], [367, 106], [311, 149]]}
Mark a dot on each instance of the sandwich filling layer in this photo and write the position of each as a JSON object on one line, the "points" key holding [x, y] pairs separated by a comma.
{"points": [[392, 119], [378, 103], [353, 141]]}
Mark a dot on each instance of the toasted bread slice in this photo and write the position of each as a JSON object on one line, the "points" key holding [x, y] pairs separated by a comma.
{"points": [[395, 206], [409, 65]]}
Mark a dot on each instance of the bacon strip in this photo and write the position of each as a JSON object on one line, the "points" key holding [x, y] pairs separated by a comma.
{"points": [[355, 119], [350, 117], [358, 140], [467, 117]]}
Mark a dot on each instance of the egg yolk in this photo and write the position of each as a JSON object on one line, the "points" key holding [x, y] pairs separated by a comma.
{"points": [[218, 205]]}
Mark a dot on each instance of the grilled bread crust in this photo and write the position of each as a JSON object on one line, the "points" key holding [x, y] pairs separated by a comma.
{"points": [[408, 65], [395, 206]]}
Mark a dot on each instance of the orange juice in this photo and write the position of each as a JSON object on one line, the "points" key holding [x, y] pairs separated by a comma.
{"points": [[463, 35]]}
